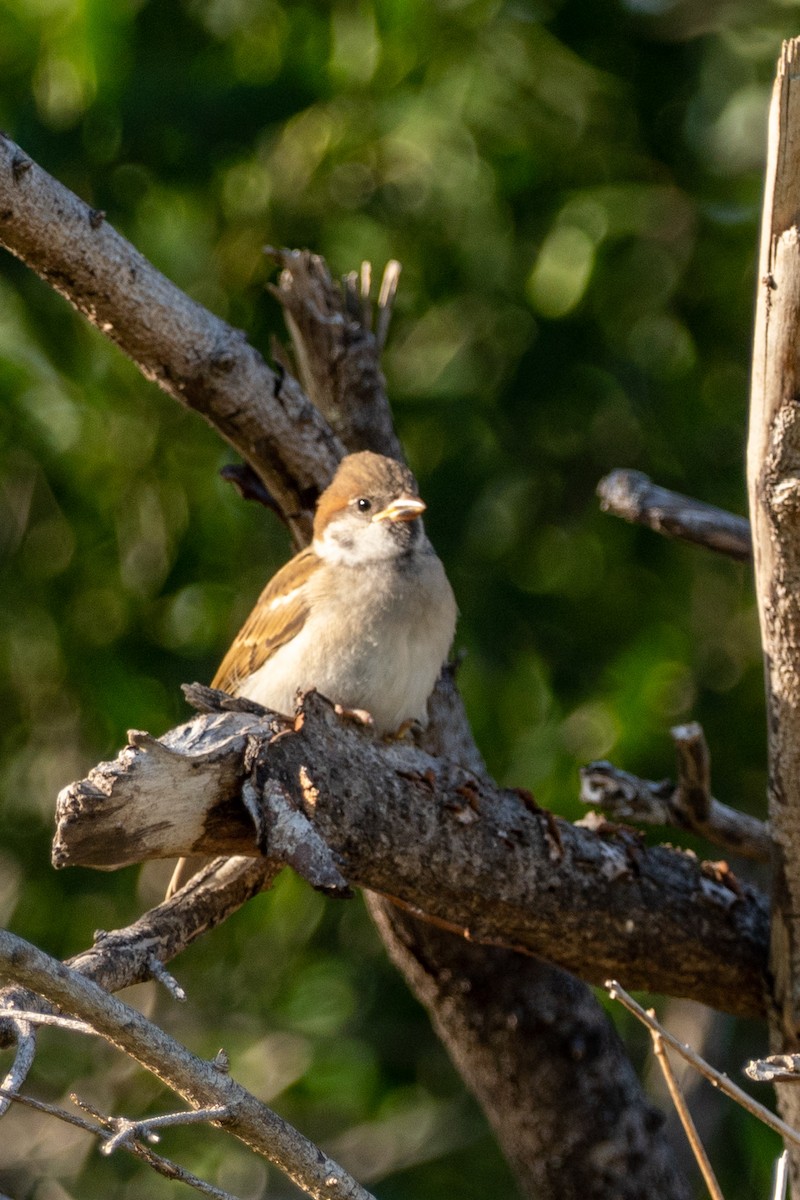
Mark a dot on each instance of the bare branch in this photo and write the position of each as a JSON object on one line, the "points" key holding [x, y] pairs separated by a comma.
{"points": [[479, 860], [163, 1166], [685, 1117], [128, 1131], [717, 1078], [634, 497], [193, 355], [627, 797], [196, 1081]]}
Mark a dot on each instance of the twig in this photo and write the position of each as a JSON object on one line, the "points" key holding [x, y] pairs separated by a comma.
{"points": [[198, 1082], [634, 497], [23, 1059], [127, 1131], [716, 1078], [690, 1129], [45, 1018], [164, 1166]]}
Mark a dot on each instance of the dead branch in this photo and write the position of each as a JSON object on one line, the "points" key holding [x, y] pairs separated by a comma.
{"points": [[193, 355], [337, 353], [163, 1166], [685, 1117], [634, 497], [474, 857], [686, 804], [717, 1079], [199, 1083]]}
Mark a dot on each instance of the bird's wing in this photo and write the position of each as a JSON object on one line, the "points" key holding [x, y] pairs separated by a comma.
{"points": [[279, 614]]}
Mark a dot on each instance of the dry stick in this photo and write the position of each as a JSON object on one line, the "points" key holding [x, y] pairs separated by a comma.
{"points": [[689, 1127], [716, 1078], [163, 1166], [198, 1082], [634, 497]]}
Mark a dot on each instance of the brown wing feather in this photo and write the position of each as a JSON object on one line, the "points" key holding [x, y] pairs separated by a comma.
{"points": [[279, 613]]}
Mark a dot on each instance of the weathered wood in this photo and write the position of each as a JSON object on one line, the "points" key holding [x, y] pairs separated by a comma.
{"points": [[477, 859], [773, 465]]}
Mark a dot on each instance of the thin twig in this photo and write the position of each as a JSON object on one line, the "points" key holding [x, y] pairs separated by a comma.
{"points": [[689, 1127], [45, 1018], [23, 1060], [163, 1166], [127, 1130], [780, 1177], [716, 1078]]}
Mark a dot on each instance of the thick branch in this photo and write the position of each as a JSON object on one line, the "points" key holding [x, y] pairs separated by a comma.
{"points": [[634, 497], [517, 1027], [470, 855], [194, 356]]}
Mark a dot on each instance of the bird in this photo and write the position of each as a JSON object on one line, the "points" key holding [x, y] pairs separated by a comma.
{"points": [[365, 614]]}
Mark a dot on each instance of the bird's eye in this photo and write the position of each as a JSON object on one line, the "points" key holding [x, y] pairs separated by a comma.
{"points": [[363, 505]]}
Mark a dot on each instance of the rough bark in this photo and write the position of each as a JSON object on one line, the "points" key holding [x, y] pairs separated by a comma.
{"points": [[774, 485], [471, 856], [209, 367]]}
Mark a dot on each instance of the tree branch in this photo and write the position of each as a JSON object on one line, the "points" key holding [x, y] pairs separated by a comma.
{"points": [[634, 497], [686, 804], [198, 1082], [194, 356], [457, 848], [282, 442]]}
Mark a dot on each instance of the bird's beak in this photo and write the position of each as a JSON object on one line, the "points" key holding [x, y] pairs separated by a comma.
{"points": [[404, 508]]}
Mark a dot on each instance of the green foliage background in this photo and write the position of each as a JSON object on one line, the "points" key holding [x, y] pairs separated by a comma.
{"points": [[573, 189]]}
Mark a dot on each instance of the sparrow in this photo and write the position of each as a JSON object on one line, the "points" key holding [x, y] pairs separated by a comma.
{"points": [[365, 614]]}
